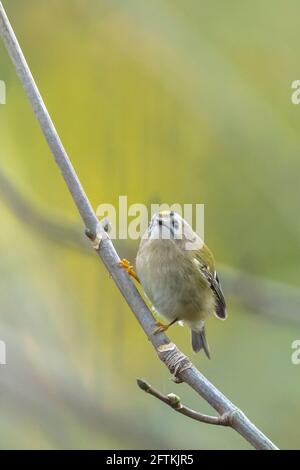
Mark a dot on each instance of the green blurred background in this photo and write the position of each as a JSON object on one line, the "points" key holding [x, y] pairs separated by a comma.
{"points": [[159, 100]]}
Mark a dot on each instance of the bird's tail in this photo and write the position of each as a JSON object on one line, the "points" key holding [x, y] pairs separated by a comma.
{"points": [[199, 341]]}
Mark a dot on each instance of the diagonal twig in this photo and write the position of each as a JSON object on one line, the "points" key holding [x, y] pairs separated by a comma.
{"points": [[174, 402], [177, 363]]}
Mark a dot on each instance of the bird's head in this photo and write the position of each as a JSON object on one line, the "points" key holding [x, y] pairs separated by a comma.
{"points": [[169, 225]]}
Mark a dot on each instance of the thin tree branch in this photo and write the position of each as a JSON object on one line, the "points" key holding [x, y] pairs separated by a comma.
{"points": [[174, 402], [273, 299], [177, 363]]}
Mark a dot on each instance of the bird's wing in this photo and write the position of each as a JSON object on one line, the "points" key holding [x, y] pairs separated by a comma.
{"points": [[206, 265], [215, 286]]}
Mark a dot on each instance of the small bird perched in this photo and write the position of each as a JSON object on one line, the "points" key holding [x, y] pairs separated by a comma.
{"points": [[177, 272]]}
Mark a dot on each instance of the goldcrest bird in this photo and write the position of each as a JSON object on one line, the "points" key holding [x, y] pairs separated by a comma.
{"points": [[177, 272]]}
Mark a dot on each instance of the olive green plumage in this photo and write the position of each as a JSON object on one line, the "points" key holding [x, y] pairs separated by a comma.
{"points": [[177, 272]]}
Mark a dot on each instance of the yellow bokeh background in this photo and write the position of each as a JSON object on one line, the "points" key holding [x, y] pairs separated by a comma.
{"points": [[178, 102]]}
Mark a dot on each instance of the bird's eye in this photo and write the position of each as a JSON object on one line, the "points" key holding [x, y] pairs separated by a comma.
{"points": [[174, 224]]}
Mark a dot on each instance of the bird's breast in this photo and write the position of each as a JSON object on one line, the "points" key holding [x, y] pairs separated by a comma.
{"points": [[172, 285]]}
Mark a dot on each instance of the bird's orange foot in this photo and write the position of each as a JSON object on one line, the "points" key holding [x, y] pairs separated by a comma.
{"points": [[124, 263], [161, 327]]}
